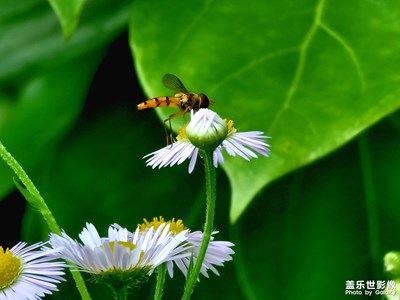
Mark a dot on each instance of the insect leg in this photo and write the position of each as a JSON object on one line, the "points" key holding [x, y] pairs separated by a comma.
{"points": [[169, 135]]}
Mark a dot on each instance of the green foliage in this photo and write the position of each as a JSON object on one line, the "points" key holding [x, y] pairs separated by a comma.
{"points": [[319, 77], [68, 12]]}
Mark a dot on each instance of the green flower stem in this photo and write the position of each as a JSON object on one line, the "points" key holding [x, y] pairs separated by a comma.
{"points": [[161, 273], [211, 196], [121, 294], [38, 203], [37, 200]]}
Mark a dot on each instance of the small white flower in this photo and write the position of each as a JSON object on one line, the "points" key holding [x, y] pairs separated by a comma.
{"points": [[205, 128], [119, 258], [29, 273], [217, 253]]}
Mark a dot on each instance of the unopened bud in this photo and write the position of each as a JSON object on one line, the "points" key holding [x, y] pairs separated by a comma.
{"points": [[206, 130]]}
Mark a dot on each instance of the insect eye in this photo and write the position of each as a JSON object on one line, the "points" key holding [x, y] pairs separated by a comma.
{"points": [[204, 102]]}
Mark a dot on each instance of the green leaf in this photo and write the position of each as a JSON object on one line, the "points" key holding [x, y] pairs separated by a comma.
{"points": [[32, 41], [68, 12], [310, 74], [42, 113]]}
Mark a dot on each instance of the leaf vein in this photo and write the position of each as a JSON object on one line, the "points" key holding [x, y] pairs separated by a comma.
{"points": [[300, 65], [185, 34], [349, 50], [251, 64]]}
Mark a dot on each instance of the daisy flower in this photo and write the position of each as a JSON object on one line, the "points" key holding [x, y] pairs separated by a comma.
{"points": [[217, 253], [207, 131], [120, 259], [28, 272]]}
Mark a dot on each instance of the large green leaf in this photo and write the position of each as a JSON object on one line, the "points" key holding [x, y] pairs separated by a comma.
{"points": [[310, 74], [31, 38]]}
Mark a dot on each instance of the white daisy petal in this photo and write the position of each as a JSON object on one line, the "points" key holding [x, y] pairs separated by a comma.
{"points": [[193, 160], [217, 253], [170, 155]]}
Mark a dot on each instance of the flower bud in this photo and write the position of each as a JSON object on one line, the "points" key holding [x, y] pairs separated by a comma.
{"points": [[206, 130], [391, 263]]}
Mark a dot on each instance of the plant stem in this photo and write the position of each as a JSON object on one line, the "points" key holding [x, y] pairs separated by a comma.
{"points": [[120, 293], [38, 203], [37, 200], [161, 272], [211, 196]]}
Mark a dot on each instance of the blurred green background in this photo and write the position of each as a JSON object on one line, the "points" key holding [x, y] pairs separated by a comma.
{"points": [[320, 77]]}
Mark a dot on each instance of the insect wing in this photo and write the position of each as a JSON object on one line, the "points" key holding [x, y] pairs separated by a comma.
{"points": [[174, 83]]}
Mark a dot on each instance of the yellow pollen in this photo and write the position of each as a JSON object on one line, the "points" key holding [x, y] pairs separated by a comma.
{"points": [[131, 246], [174, 227], [10, 268], [182, 134], [229, 124]]}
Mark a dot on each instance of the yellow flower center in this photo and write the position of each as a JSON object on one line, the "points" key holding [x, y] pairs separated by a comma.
{"points": [[131, 246], [174, 227], [229, 124], [10, 268], [182, 134]]}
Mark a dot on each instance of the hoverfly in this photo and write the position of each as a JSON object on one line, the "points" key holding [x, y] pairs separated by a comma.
{"points": [[183, 100]]}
